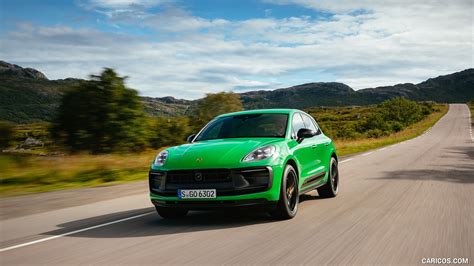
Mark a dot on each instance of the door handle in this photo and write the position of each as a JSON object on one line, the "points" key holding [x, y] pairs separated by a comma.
{"points": [[326, 144], [314, 146]]}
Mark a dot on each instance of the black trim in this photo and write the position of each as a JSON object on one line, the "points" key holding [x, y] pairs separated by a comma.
{"points": [[227, 187], [312, 182], [214, 204], [314, 178]]}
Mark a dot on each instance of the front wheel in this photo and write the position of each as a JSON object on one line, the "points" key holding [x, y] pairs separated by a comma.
{"points": [[171, 213], [289, 195], [330, 189]]}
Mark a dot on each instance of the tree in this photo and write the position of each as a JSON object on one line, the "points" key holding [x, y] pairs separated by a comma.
{"points": [[6, 134], [169, 131], [101, 115], [215, 104]]}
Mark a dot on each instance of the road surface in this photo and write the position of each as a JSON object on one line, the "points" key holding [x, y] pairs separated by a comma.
{"points": [[397, 205]]}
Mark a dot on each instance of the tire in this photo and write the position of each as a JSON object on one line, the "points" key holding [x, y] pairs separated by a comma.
{"points": [[330, 189], [287, 205], [171, 213]]}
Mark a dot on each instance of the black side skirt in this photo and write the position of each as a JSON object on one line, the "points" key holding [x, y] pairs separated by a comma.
{"points": [[312, 182]]}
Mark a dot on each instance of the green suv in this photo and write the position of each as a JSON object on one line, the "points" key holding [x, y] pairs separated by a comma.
{"points": [[251, 158]]}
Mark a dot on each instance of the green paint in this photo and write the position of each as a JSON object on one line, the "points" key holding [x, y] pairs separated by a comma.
{"points": [[311, 156]]}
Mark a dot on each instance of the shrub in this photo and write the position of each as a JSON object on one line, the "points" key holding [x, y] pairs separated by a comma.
{"points": [[397, 126], [6, 134]]}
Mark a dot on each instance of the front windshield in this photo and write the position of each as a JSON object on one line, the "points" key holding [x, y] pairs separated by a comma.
{"points": [[244, 126]]}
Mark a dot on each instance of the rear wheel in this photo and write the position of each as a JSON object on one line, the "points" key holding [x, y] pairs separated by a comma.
{"points": [[330, 189], [287, 206], [171, 213]]}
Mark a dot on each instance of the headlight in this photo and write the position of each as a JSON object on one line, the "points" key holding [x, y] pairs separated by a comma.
{"points": [[260, 154], [161, 158]]}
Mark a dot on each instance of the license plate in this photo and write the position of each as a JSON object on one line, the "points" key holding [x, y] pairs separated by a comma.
{"points": [[196, 193]]}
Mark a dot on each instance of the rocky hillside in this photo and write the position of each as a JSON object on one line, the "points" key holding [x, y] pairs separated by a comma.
{"points": [[9, 70], [456, 87], [26, 95]]}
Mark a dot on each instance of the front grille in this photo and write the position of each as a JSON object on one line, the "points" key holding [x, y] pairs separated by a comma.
{"points": [[197, 176], [225, 181]]}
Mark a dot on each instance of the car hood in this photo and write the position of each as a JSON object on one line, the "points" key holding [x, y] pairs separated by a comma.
{"points": [[218, 153]]}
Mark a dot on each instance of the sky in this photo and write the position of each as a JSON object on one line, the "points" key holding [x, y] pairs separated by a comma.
{"points": [[187, 48]]}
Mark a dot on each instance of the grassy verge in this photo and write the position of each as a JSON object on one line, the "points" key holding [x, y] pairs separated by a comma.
{"points": [[345, 147], [25, 174], [22, 174]]}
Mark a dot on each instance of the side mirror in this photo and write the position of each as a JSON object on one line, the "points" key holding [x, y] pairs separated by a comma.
{"points": [[304, 133], [191, 138]]}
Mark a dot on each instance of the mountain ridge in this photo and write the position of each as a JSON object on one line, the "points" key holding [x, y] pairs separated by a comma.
{"points": [[27, 95]]}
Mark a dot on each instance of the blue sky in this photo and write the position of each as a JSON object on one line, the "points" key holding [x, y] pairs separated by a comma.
{"points": [[189, 48]]}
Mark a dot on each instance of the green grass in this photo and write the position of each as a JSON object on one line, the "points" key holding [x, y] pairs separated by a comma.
{"points": [[22, 173]]}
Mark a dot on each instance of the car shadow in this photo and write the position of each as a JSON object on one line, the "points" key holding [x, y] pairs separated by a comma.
{"points": [[310, 197], [465, 150], [152, 224], [462, 172]]}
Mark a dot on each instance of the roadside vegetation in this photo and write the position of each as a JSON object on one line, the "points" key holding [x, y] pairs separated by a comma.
{"points": [[101, 135], [356, 145], [361, 128]]}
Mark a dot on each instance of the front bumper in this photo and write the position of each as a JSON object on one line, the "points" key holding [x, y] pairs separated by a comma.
{"points": [[215, 204], [234, 187]]}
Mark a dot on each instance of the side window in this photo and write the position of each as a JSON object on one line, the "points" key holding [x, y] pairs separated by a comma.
{"points": [[297, 124], [309, 123]]}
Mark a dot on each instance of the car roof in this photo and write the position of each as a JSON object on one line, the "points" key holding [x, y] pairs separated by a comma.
{"points": [[262, 111]]}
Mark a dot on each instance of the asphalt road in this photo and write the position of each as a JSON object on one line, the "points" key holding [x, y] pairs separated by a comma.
{"points": [[396, 205]]}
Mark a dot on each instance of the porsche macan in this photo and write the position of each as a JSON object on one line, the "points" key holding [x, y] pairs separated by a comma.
{"points": [[258, 158]]}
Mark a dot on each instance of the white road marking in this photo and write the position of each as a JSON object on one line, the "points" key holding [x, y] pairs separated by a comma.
{"points": [[382, 149], [346, 160], [73, 232], [367, 153]]}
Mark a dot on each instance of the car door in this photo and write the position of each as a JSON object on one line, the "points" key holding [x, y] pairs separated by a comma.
{"points": [[319, 144], [304, 151]]}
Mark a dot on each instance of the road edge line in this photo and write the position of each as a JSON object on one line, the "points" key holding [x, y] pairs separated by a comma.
{"points": [[73, 232]]}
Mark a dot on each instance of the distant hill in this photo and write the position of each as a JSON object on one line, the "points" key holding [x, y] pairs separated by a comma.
{"points": [[26, 94], [302, 96], [456, 87], [11, 70]]}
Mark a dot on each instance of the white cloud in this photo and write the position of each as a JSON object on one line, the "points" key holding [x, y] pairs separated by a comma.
{"points": [[120, 4], [178, 20], [344, 6], [122, 9], [188, 56]]}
